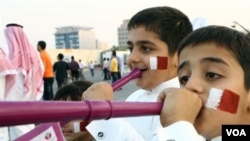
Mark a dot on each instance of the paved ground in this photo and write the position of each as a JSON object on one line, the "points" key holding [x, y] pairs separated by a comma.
{"points": [[119, 95]]}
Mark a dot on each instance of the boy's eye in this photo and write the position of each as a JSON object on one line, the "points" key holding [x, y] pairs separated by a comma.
{"points": [[211, 75], [183, 80], [130, 48], [146, 49]]}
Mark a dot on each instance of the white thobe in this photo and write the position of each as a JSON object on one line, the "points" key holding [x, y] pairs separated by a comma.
{"points": [[17, 91], [145, 128], [181, 131], [132, 128]]}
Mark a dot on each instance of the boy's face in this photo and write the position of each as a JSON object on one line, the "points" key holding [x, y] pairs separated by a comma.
{"points": [[143, 45], [207, 66]]}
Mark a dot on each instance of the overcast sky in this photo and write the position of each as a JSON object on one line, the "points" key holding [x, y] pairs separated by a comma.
{"points": [[41, 17]]}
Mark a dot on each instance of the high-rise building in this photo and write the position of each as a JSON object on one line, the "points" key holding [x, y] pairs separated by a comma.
{"points": [[123, 34], [75, 37]]}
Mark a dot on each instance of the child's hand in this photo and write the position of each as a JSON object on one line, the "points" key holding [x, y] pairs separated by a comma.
{"points": [[68, 128], [99, 91], [179, 104]]}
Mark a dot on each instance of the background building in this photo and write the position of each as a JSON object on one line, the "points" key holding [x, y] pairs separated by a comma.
{"points": [[123, 34], [75, 37]]}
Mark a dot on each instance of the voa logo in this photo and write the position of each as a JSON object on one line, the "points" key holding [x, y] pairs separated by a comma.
{"points": [[236, 132]]}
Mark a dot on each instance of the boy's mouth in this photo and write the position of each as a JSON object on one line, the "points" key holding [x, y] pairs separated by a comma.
{"points": [[143, 70]]}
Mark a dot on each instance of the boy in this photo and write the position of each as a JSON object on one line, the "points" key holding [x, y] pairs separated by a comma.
{"points": [[201, 68], [152, 32], [73, 92]]}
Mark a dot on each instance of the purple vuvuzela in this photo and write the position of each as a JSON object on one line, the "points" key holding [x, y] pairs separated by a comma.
{"points": [[135, 73], [25, 112]]}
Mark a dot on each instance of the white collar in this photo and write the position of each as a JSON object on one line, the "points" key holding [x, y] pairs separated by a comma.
{"points": [[217, 139], [167, 84]]}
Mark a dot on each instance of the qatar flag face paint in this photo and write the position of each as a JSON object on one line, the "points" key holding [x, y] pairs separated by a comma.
{"points": [[158, 63], [224, 100]]}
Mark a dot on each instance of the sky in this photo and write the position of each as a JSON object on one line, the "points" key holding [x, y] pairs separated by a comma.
{"points": [[41, 17]]}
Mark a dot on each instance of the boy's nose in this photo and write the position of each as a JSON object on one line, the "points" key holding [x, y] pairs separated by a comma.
{"points": [[195, 84], [134, 56]]}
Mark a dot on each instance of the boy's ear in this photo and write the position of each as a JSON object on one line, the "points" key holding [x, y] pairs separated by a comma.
{"points": [[176, 60]]}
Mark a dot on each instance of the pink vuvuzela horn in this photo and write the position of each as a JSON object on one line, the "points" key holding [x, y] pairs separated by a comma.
{"points": [[135, 73], [17, 113], [25, 112]]}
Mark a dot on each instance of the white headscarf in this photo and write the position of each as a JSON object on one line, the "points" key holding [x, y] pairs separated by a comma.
{"points": [[199, 22]]}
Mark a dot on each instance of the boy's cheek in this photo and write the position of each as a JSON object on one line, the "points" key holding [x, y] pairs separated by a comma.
{"points": [[203, 98]]}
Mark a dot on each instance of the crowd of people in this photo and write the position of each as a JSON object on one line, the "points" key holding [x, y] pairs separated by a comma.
{"points": [[194, 67], [65, 72], [61, 69]]}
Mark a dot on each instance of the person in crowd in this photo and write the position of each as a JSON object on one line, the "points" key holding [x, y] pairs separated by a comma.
{"points": [[73, 92], [21, 77], [74, 69], [153, 32], [92, 68], [61, 69], [48, 76], [105, 68], [109, 75], [81, 70], [119, 74], [114, 67]]}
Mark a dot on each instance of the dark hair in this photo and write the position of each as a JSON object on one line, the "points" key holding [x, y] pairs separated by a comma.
{"points": [[83, 85], [169, 23], [72, 57], [114, 53], [66, 91], [73, 90], [42, 44], [60, 56], [232, 40]]}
